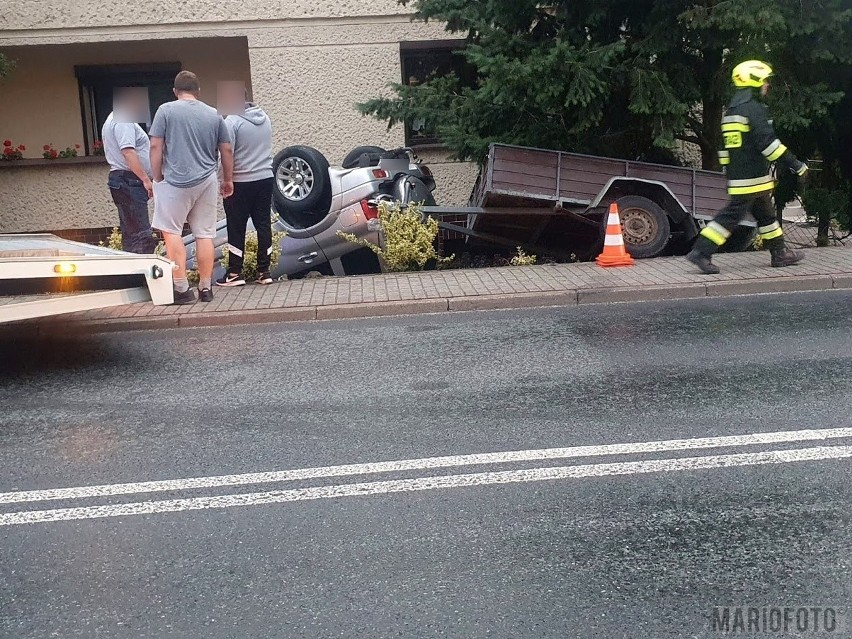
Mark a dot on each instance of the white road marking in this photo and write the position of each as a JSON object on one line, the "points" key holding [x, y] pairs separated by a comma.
{"points": [[246, 479], [427, 483]]}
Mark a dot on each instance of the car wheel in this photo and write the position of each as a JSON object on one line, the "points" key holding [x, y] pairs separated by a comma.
{"points": [[302, 183], [645, 226], [353, 158]]}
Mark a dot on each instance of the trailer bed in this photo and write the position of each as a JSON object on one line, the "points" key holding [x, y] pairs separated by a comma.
{"points": [[522, 176]]}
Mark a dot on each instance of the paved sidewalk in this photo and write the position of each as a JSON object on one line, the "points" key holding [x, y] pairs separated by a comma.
{"points": [[478, 289]]}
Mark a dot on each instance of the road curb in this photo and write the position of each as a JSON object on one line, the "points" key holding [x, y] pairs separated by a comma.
{"points": [[181, 318], [643, 294], [771, 285], [516, 300]]}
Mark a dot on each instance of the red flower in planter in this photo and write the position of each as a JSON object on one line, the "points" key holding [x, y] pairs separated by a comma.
{"points": [[54, 154], [46, 147], [21, 147], [7, 143], [76, 146]]}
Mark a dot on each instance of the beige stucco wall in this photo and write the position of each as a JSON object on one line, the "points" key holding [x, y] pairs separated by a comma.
{"points": [[308, 70], [41, 102], [43, 198]]}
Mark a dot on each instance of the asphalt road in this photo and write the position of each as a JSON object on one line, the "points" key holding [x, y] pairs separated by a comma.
{"points": [[639, 541]]}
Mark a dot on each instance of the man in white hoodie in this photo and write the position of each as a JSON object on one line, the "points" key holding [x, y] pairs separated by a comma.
{"points": [[251, 139]]}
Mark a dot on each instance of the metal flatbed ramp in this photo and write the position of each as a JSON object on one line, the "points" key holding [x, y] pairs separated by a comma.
{"points": [[42, 275]]}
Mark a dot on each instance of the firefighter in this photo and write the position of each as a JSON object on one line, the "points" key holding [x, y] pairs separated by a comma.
{"points": [[750, 147]]}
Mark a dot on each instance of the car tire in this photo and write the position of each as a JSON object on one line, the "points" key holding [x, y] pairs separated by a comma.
{"points": [[353, 158], [646, 227], [302, 183]]}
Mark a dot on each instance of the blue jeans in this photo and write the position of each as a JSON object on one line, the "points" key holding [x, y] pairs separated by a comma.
{"points": [[131, 198]]}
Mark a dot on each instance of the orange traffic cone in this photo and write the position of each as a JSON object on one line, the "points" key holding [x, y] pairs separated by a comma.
{"points": [[614, 253]]}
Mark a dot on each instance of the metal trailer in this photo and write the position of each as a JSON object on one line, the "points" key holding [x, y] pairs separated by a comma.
{"points": [[555, 202], [42, 275]]}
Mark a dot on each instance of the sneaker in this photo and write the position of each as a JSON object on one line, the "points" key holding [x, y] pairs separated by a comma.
{"points": [[205, 295], [703, 262], [187, 297], [231, 279], [264, 278]]}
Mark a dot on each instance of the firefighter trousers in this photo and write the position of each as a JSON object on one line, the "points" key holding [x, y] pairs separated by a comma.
{"points": [[760, 205]]}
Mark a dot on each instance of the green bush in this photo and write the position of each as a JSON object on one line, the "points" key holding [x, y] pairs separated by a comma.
{"points": [[407, 240], [250, 254], [522, 259]]}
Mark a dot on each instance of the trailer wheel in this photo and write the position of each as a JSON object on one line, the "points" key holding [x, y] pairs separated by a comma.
{"points": [[645, 225]]}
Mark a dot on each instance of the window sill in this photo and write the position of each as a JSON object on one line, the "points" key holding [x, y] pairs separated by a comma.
{"points": [[85, 159]]}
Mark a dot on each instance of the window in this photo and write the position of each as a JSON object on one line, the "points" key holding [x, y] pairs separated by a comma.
{"points": [[98, 82], [422, 61]]}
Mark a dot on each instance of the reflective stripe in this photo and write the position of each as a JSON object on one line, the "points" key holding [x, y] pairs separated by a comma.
{"points": [[768, 228], [735, 126], [235, 251], [750, 190], [739, 119], [771, 148], [771, 236], [269, 251], [721, 230], [614, 240], [751, 181], [774, 151], [724, 158], [613, 220], [716, 233]]}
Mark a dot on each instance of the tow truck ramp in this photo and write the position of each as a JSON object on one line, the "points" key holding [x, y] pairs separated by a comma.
{"points": [[43, 275]]}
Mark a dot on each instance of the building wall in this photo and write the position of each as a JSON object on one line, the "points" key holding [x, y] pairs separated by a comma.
{"points": [[308, 70], [41, 101]]}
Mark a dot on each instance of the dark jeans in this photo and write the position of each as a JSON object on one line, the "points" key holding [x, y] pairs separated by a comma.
{"points": [[250, 201], [131, 198]]}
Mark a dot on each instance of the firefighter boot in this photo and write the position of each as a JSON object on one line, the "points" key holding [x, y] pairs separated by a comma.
{"points": [[700, 256], [785, 257]]}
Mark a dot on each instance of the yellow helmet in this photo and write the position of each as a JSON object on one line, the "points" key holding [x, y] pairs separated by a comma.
{"points": [[752, 73]]}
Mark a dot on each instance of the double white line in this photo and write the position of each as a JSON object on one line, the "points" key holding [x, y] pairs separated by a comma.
{"points": [[423, 483]]}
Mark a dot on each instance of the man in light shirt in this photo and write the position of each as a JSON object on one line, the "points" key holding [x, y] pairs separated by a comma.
{"points": [[127, 150], [188, 138]]}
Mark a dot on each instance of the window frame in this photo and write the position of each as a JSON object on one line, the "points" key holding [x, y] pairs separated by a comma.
{"points": [[90, 77], [424, 48]]}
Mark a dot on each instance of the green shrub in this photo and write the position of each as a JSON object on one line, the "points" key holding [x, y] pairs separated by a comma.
{"points": [[250, 253], [522, 259], [407, 240]]}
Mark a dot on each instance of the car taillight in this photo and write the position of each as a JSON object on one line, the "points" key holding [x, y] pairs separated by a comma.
{"points": [[370, 212], [380, 173]]}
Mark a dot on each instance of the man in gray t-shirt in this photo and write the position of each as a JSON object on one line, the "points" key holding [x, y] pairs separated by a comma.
{"points": [[126, 147], [188, 138]]}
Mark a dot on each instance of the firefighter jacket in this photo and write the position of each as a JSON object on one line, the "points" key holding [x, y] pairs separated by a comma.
{"points": [[751, 146]]}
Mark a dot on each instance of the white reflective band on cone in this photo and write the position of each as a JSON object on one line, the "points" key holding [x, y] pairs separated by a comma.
{"points": [[614, 219], [614, 240]]}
